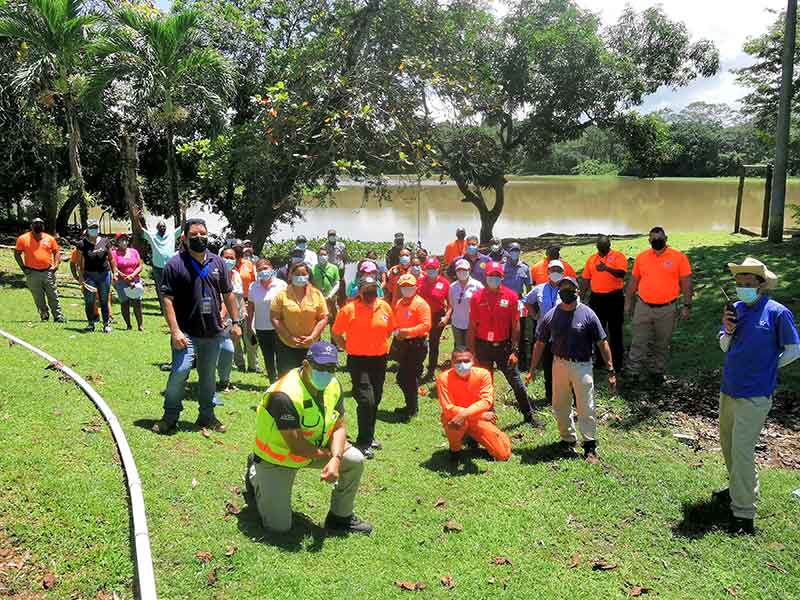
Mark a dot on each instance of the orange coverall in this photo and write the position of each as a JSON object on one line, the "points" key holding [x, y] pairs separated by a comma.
{"points": [[476, 394]]}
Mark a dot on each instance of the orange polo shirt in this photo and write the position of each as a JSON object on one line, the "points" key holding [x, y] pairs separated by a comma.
{"points": [[660, 276], [457, 392], [603, 282], [415, 315], [247, 271], [366, 328], [539, 271], [453, 250], [395, 273], [37, 254]]}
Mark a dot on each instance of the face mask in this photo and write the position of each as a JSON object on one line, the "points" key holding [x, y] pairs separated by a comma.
{"points": [[463, 368], [198, 243], [323, 259], [416, 270], [493, 282], [556, 277], [462, 275], [231, 262], [472, 249], [122, 246], [460, 236], [299, 280], [265, 275], [302, 246], [658, 243], [320, 379], [369, 296], [399, 243], [747, 295], [296, 260], [93, 231], [432, 273], [568, 296], [38, 228], [603, 248], [496, 248], [514, 254], [332, 239], [408, 291], [405, 260]]}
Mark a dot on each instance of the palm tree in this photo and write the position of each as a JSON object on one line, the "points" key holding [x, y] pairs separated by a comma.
{"points": [[53, 35], [169, 67]]}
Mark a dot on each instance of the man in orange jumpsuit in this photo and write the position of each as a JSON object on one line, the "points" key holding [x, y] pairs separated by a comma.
{"points": [[467, 396]]}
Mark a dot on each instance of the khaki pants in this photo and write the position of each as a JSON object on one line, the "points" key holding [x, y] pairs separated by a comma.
{"points": [[273, 489], [651, 332], [250, 349], [569, 376], [740, 424], [42, 285]]}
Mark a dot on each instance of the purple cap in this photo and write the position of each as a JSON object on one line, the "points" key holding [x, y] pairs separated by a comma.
{"points": [[570, 279], [323, 353]]}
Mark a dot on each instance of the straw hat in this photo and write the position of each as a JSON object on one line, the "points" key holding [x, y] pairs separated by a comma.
{"points": [[752, 266]]}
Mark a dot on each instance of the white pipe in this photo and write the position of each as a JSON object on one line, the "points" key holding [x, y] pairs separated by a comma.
{"points": [[141, 537]]}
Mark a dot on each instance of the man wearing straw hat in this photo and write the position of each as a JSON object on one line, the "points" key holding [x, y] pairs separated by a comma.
{"points": [[758, 337]]}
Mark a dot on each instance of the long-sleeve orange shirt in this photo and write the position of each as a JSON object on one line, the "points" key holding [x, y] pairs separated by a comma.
{"points": [[414, 315], [475, 392]]}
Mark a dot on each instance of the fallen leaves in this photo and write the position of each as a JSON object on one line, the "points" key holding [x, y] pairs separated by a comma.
{"points": [[204, 556], [453, 526], [211, 577], [94, 425], [777, 568], [732, 591], [195, 483], [422, 391], [206, 434], [637, 591], [232, 509], [48, 581], [574, 560], [447, 582], [440, 503], [776, 546], [230, 551], [501, 560], [410, 586], [602, 565]]}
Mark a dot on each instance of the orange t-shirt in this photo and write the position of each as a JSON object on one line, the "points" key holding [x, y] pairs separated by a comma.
{"points": [[453, 250], [416, 315], [37, 254], [395, 273], [75, 257], [602, 281], [539, 271], [247, 271], [457, 392], [366, 328], [660, 276]]}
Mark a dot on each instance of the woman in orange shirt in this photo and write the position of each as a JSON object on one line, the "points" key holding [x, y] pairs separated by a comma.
{"points": [[363, 328], [395, 273], [412, 315]]}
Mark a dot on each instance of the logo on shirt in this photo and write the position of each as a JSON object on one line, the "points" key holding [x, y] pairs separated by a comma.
{"points": [[386, 318], [439, 285], [504, 303], [286, 418], [668, 264], [483, 265]]}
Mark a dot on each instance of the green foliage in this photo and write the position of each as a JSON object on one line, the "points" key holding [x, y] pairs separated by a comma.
{"points": [[590, 166], [648, 143]]}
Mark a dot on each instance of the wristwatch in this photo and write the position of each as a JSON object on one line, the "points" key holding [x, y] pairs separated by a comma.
{"points": [[236, 321], [687, 305], [612, 373], [338, 455]]}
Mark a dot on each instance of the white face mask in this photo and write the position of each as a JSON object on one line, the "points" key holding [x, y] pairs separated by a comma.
{"points": [[323, 259], [463, 368], [408, 291], [555, 276], [299, 280], [405, 260], [462, 275]]}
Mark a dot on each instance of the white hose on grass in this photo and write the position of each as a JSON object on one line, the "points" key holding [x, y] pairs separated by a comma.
{"points": [[144, 560]]}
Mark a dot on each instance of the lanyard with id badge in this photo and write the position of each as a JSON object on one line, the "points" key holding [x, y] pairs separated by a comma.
{"points": [[206, 305]]}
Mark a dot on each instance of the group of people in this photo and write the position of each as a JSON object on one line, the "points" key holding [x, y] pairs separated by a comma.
{"points": [[504, 315]]}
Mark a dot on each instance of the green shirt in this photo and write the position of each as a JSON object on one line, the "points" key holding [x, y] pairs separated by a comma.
{"points": [[325, 278]]}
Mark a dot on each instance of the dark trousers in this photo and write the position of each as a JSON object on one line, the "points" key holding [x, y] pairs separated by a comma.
{"points": [[288, 358], [367, 374], [547, 368], [410, 354], [434, 337], [267, 341], [610, 309], [526, 332], [492, 355]]}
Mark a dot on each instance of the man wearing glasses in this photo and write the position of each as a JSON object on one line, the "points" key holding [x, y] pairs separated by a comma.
{"points": [[300, 423]]}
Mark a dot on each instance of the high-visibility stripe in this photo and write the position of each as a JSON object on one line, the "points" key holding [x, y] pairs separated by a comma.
{"points": [[264, 447]]}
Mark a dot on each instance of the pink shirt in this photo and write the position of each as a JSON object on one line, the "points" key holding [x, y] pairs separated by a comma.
{"points": [[127, 264]]}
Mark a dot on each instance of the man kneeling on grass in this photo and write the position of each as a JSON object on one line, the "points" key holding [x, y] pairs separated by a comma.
{"points": [[300, 423], [466, 394]]}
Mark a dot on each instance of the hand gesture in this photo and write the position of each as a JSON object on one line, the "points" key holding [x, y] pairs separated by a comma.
{"points": [[330, 472], [179, 341], [531, 376], [612, 384], [236, 333], [513, 359], [729, 321], [686, 313]]}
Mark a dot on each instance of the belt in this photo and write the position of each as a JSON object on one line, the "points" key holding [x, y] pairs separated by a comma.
{"points": [[660, 305], [37, 270], [572, 360], [495, 344], [414, 340]]}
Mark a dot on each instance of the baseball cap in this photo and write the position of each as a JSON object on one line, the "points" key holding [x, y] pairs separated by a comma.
{"points": [[407, 279], [92, 223], [365, 281], [570, 279], [555, 263], [368, 267], [399, 236], [514, 246], [432, 263], [463, 264], [494, 268], [300, 239], [38, 220], [323, 353]]}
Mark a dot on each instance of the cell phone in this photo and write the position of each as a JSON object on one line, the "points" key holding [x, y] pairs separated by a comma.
{"points": [[729, 306]]}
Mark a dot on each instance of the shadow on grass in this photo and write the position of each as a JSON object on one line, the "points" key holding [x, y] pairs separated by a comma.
{"points": [[389, 416], [442, 461], [148, 425], [700, 518], [14, 280], [293, 541], [544, 453]]}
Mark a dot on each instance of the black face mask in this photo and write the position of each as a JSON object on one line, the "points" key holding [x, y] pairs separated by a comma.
{"points": [[603, 248], [369, 296], [658, 243], [198, 243], [460, 237], [162, 231], [568, 296], [38, 228]]}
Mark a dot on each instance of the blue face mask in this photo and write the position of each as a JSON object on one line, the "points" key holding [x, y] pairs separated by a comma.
{"points": [[493, 282], [323, 259], [93, 231], [472, 249], [747, 295], [302, 246], [416, 270], [265, 275], [299, 280], [432, 273], [514, 254], [405, 260], [231, 262], [463, 368], [321, 379]]}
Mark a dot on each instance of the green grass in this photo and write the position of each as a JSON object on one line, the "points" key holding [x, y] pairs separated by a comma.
{"points": [[63, 494]]}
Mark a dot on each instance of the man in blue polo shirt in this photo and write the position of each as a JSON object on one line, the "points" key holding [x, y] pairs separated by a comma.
{"points": [[758, 337], [477, 260], [194, 286]]}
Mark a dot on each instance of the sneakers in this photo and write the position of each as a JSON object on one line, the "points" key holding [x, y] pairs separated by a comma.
{"points": [[164, 427], [568, 449], [366, 451], [59, 320], [590, 453], [739, 526], [531, 420], [89, 328], [722, 496], [213, 423], [376, 445], [351, 524], [44, 318], [107, 328], [405, 414]]}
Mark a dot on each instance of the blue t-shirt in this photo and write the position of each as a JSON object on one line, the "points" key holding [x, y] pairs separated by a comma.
{"points": [[572, 333], [762, 333], [545, 296], [163, 247], [478, 270], [516, 277]]}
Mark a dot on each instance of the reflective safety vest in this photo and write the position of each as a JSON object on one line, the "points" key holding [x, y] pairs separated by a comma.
{"points": [[315, 425]]}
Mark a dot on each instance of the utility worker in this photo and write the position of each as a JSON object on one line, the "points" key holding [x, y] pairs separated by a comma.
{"points": [[660, 276], [363, 328], [393, 255], [457, 247], [466, 395], [402, 267], [758, 336], [494, 333], [604, 274], [434, 289], [476, 259], [412, 317], [245, 347], [539, 270], [539, 302], [301, 423], [38, 255], [573, 330], [517, 278]]}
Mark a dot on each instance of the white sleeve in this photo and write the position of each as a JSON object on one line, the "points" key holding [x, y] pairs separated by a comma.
{"points": [[790, 354], [725, 341]]}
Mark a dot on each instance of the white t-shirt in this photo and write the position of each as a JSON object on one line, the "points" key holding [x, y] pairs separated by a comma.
{"points": [[460, 296], [262, 299]]}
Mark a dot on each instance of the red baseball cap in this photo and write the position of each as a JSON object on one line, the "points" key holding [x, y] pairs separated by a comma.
{"points": [[432, 263], [494, 268]]}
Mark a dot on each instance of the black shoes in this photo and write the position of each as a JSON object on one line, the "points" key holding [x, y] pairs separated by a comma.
{"points": [[531, 420], [405, 414], [590, 452], [739, 526], [568, 449], [351, 524], [214, 424], [722, 496], [164, 427]]}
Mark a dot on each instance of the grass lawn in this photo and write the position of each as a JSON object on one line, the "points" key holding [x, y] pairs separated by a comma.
{"points": [[643, 513]]}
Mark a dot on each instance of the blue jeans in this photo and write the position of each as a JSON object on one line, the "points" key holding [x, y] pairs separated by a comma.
{"points": [[225, 362], [158, 275], [102, 281], [204, 352]]}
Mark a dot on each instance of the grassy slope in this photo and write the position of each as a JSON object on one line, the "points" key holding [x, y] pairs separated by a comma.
{"points": [[63, 496]]}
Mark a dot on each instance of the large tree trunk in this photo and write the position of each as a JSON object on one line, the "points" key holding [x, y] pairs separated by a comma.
{"points": [[76, 184], [488, 216], [48, 191], [172, 175], [128, 146]]}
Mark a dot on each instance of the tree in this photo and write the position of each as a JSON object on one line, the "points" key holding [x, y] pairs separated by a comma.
{"points": [[55, 34], [649, 144], [545, 73]]}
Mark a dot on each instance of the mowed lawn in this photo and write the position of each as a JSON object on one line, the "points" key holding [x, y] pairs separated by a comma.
{"points": [[559, 528]]}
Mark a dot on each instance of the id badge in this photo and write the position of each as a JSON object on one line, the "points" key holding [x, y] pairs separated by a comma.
{"points": [[205, 306], [490, 337]]}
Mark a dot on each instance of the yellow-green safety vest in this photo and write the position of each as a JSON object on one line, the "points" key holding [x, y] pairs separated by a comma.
{"points": [[316, 427]]}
